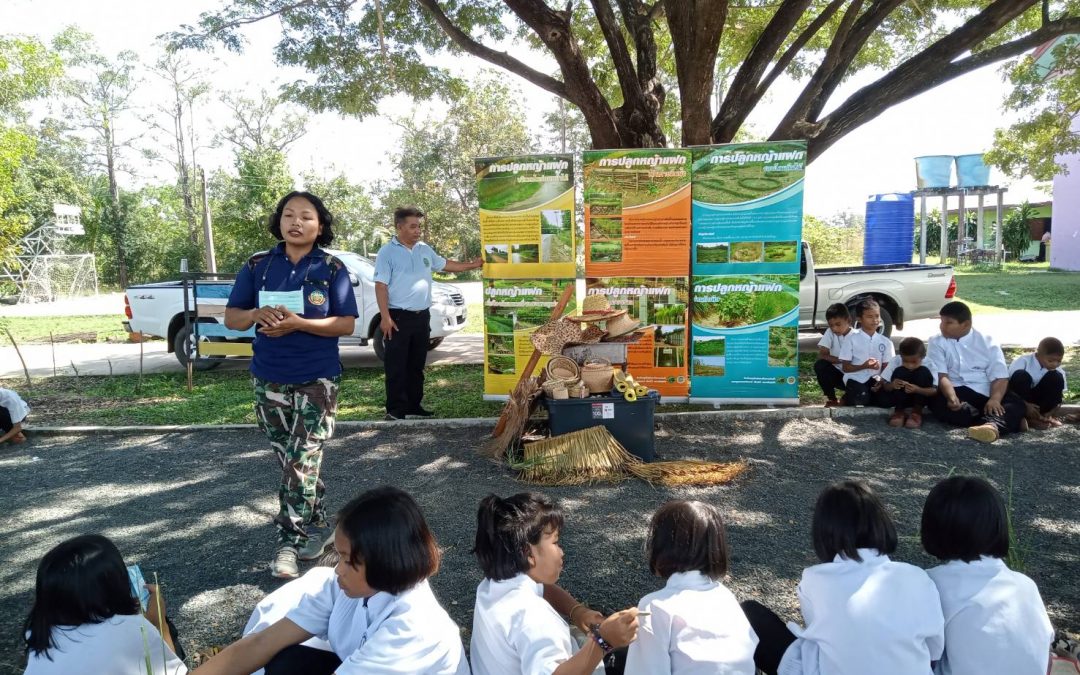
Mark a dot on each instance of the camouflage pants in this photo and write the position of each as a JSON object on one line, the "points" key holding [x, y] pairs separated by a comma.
{"points": [[298, 419]]}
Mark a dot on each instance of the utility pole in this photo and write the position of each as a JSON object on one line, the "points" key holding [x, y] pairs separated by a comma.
{"points": [[208, 228]]}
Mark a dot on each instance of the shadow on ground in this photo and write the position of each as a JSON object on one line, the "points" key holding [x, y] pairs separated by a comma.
{"points": [[195, 508]]}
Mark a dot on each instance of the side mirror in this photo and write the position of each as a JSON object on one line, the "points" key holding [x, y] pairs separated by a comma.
{"points": [[354, 279]]}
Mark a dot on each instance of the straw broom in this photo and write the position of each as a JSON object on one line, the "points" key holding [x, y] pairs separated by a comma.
{"points": [[515, 415], [593, 455]]}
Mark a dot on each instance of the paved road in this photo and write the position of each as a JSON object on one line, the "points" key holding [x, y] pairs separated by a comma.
{"points": [[196, 508]]}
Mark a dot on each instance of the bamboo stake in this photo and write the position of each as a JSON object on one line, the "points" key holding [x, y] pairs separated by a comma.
{"points": [[26, 371], [52, 344], [556, 312]]}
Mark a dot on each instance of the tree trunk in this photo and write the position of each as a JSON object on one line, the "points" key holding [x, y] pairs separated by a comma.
{"points": [[114, 198], [696, 27]]}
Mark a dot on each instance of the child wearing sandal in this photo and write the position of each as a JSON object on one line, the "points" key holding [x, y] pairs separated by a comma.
{"points": [[13, 413], [864, 354], [516, 628], [828, 369], [910, 381], [995, 620], [864, 613], [694, 625], [1039, 380]]}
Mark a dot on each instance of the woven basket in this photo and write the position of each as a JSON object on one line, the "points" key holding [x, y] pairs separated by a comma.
{"points": [[562, 368], [551, 337], [553, 385], [597, 375]]}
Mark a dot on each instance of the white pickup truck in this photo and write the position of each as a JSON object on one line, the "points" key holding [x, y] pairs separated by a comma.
{"points": [[905, 291], [158, 310]]}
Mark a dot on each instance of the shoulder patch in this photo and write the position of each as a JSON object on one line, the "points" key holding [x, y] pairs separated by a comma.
{"points": [[333, 262], [254, 260]]}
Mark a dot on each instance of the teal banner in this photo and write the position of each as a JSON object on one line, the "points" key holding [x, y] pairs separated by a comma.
{"points": [[746, 241]]}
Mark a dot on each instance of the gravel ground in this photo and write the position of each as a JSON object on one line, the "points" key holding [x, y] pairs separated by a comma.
{"points": [[195, 508]]}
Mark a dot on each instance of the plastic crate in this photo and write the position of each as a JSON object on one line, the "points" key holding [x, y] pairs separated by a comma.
{"points": [[630, 423]]}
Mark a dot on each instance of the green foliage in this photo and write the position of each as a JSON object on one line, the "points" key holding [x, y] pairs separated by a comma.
{"points": [[357, 224], [1048, 104], [833, 244], [242, 204], [1015, 235]]}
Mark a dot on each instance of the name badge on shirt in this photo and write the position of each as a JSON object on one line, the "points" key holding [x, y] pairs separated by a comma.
{"points": [[290, 300], [427, 262]]}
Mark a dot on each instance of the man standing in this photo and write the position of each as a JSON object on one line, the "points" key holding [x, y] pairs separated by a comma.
{"points": [[973, 380], [403, 270]]}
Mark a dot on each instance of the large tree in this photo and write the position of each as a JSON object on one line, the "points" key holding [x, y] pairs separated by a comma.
{"points": [[615, 58]]}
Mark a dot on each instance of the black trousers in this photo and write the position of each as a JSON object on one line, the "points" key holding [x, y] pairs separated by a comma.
{"points": [[6, 424], [971, 413], [773, 636], [299, 659], [920, 377], [405, 356], [860, 393], [829, 378], [1047, 394]]}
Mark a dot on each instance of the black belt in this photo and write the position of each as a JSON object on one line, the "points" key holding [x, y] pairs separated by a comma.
{"points": [[409, 311]]}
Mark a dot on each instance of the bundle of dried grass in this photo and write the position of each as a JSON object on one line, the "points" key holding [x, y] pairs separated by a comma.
{"points": [[579, 457], [515, 415], [687, 472]]}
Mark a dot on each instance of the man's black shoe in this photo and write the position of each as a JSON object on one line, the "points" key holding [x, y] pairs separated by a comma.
{"points": [[390, 417], [422, 412]]}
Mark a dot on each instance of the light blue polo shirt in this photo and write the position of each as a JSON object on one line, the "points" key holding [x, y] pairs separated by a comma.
{"points": [[407, 274]]}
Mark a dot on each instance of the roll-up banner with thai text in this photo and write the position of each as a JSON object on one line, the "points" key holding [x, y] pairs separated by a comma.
{"points": [[744, 288], [637, 244], [513, 309], [527, 216]]}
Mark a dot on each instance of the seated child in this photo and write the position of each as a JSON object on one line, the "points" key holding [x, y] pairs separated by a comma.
{"points": [[1039, 380], [13, 412], [911, 383], [864, 613], [995, 620], [377, 612], [515, 629], [694, 624], [85, 618], [828, 369], [863, 355]]}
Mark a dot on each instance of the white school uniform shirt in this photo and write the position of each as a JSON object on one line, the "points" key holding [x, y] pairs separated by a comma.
{"points": [[277, 604], [114, 646], [834, 342], [16, 407], [517, 632], [974, 361], [859, 348], [875, 616], [695, 627], [404, 633], [897, 361], [1031, 364], [995, 620]]}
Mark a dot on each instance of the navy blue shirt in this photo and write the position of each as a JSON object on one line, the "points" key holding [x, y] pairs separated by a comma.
{"points": [[299, 356]]}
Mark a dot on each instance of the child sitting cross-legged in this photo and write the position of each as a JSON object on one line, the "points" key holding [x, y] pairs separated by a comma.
{"points": [[1039, 380], [693, 624], [828, 369], [911, 383], [995, 620], [517, 629], [863, 356]]}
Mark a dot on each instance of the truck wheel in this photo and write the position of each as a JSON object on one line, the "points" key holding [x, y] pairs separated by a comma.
{"points": [[886, 323], [377, 343], [434, 343], [184, 346]]}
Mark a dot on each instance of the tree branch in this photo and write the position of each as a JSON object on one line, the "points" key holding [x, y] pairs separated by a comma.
{"points": [[197, 38], [696, 27], [501, 59], [925, 70], [620, 55]]}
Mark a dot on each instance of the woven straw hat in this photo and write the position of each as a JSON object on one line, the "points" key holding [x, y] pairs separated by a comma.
{"points": [[595, 303], [621, 325], [589, 317]]}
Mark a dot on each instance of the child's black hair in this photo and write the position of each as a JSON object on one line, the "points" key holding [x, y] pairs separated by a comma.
{"points": [[687, 536], [912, 346], [326, 219], [956, 310], [964, 517], [387, 532], [849, 516], [837, 310], [81, 580], [866, 304], [506, 527], [1051, 346]]}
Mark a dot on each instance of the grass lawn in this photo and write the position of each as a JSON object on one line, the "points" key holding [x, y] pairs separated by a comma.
{"points": [[27, 329], [1020, 288]]}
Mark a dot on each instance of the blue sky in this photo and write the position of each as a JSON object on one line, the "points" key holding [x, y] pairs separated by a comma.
{"points": [[956, 118]]}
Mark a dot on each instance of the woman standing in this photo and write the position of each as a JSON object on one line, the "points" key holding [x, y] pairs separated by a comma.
{"points": [[301, 300]]}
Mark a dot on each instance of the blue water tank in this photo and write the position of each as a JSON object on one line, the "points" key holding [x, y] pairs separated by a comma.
{"points": [[890, 229]]}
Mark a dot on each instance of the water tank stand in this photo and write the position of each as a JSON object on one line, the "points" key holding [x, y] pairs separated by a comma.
{"points": [[961, 231]]}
